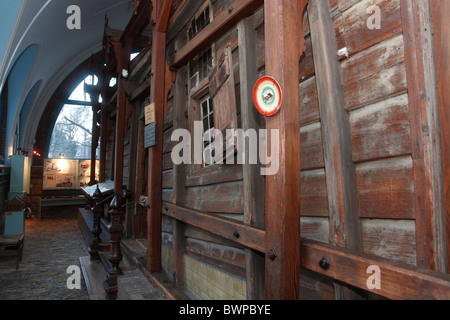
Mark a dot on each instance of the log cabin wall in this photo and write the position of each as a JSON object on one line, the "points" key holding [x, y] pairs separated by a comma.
{"points": [[214, 268], [392, 176]]}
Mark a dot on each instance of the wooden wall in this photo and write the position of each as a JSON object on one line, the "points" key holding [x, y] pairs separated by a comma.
{"points": [[390, 175], [382, 134], [218, 189]]}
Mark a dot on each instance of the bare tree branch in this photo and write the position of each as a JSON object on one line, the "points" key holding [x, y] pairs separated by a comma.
{"points": [[78, 125]]}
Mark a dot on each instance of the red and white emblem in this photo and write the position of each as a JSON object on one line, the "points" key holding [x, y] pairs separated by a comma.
{"points": [[267, 96]]}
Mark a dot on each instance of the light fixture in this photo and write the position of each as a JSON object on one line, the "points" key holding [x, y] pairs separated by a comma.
{"points": [[62, 164]]}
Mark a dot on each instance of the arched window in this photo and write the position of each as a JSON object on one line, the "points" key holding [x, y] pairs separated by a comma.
{"points": [[72, 132]]}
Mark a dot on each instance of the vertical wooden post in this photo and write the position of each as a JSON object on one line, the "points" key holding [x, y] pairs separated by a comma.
{"points": [[441, 29], [179, 187], [104, 127], [120, 124], [282, 199], [155, 153], [254, 182], [94, 93], [341, 174], [425, 137], [345, 230]]}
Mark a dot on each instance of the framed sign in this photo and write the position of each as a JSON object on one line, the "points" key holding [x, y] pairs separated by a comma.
{"points": [[150, 114], [150, 135]]}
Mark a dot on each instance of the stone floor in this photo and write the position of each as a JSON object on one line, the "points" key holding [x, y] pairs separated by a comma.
{"points": [[51, 246]]}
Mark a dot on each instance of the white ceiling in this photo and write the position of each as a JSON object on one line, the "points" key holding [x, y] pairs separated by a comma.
{"points": [[43, 22]]}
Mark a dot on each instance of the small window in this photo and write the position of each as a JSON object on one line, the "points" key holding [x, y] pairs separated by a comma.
{"points": [[199, 23], [200, 67], [206, 107]]}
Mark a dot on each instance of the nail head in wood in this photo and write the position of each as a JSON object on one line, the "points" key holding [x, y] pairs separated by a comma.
{"points": [[324, 263], [272, 254]]}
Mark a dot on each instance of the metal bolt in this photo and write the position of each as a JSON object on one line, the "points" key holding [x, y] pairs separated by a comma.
{"points": [[237, 234], [272, 254], [324, 263]]}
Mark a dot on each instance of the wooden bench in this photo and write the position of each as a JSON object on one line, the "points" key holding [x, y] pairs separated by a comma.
{"points": [[11, 243]]}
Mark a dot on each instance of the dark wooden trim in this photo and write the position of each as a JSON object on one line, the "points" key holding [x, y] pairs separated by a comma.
{"points": [[340, 171], [441, 29], [249, 237], [398, 281], [424, 132], [164, 16], [282, 196], [155, 157], [179, 172], [228, 18], [253, 181]]}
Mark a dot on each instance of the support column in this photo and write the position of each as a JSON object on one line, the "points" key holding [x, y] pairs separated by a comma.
{"points": [[254, 182], [157, 97], [282, 199], [345, 230]]}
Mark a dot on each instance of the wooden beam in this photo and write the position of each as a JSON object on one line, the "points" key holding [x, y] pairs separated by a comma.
{"points": [[163, 19], [398, 281], [138, 22], [156, 153], [120, 126], [254, 182], [425, 133], [179, 176], [228, 18], [225, 228], [282, 198], [441, 28], [340, 171], [345, 230]]}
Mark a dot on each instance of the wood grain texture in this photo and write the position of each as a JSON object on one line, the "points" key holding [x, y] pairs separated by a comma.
{"points": [[441, 28], [283, 189], [335, 125]]}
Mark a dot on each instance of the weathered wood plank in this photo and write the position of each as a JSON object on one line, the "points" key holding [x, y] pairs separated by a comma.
{"points": [[398, 282], [441, 28], [155, 191], [253, 181], [424, 133], [335, 125], [282, 200], [249, 237], [357, 36], [381, 130], [314, 198], [386, 188], [218, 198], [311, 151], [228, 18], [391, 239]]}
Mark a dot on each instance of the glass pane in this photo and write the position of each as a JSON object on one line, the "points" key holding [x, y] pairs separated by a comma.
{"points": [[211, 120], [205, 108], [205, 124]]}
